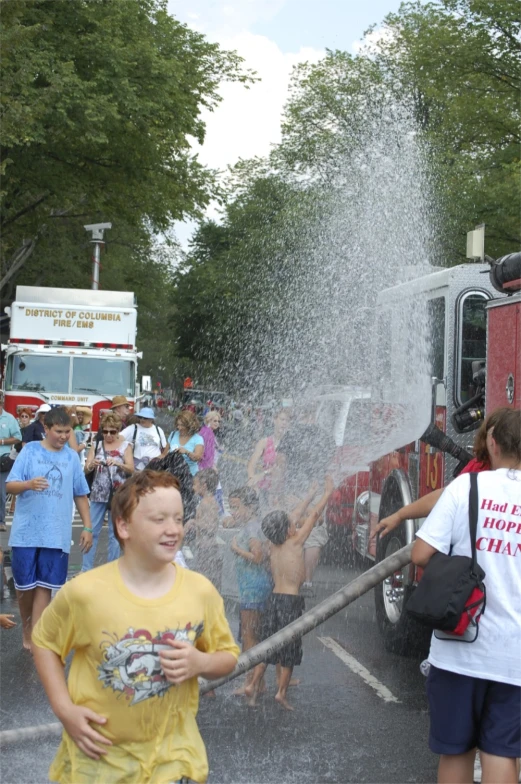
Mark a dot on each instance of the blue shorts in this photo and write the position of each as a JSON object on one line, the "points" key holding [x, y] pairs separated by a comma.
{"points": [[471, 712], [38, 566], [258, 606]]}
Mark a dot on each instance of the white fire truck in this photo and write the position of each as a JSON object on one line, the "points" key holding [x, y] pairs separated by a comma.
{"points": [[70, 347], [475, 324]]}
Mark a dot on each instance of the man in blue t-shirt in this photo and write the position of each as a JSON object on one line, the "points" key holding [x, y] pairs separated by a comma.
{"points": [[47, 476]]}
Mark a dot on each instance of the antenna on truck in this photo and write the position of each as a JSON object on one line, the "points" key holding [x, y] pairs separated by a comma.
{"points": [[97, 230]]}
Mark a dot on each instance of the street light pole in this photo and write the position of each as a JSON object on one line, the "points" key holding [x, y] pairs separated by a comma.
{"points": [[97, 230]]}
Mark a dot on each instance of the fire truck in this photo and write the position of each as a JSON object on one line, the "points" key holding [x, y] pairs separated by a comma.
{"points": [[70, 347], [474, 312]]}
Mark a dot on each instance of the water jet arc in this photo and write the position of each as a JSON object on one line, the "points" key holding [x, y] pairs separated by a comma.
{"points": [[309, 621]]}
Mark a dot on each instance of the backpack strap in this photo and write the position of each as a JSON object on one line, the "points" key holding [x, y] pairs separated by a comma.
{"points": [[473, 515], [134, 438], [161, 445]]}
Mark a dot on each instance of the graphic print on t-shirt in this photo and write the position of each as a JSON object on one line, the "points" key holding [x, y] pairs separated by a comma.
{"points": [[132, 666], [55, 479]]}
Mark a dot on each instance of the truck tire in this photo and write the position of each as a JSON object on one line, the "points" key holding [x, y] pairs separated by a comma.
{"points": [[401, 634]]}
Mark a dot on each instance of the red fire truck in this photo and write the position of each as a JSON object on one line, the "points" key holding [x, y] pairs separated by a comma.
{"points": [[474, 312], [70, 347]]}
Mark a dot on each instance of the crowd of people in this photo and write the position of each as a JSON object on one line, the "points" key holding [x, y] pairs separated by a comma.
{"points": [[143, 622]]}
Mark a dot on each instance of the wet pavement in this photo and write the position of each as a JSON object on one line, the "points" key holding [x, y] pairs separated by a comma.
{"points": [[343, 729]]}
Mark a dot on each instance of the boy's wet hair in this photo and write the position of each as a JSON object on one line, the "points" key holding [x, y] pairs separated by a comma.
{"points": [[209, 477], [127, 496], [57, 416], [246, 496], [275, 527]]}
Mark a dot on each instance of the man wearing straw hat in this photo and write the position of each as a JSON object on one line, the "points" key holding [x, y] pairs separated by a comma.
{"points": [[121, 407]]}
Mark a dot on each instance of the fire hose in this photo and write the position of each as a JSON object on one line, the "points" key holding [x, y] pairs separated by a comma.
{"points": [[246, 661]]}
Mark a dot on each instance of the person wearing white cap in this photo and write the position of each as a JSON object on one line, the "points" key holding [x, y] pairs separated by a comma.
{"points": [[36, 431], [147, 439]]}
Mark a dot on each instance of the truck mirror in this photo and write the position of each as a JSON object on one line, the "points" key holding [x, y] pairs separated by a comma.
{"points": [[146, 384]]}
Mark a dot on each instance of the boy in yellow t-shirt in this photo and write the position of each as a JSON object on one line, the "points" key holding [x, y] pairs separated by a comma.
{"points": [[142, 630]]}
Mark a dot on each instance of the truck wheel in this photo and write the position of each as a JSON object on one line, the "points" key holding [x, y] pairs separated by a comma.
{"points": [[401, 634]]}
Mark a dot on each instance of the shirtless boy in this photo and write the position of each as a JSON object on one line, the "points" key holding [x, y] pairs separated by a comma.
{"points": [[285, 605]]}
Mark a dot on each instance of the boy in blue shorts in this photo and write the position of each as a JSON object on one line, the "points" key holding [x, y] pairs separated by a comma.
{"points": [[47, 476]]}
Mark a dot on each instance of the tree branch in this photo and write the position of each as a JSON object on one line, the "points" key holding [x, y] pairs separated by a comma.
{"points": [[18, 259], [27, 209]]}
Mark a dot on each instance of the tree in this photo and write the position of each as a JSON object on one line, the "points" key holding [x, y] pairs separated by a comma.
{"points": [[456, 67], [99, 101], [462, 61], [235, 289]]}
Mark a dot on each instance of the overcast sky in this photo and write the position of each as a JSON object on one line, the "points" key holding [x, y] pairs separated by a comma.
{"points": [[272, 36]]}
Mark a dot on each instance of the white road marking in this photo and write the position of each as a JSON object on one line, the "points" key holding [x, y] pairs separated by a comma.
{"points": [[359, 669]]}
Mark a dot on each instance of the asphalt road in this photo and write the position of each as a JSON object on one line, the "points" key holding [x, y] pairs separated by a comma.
{"points": [[350, 724]]}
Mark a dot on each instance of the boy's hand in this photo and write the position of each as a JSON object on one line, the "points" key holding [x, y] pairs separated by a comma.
{"points": [[85, 541], [6, 622], [76, 724], [182, 662], [38, 484]]}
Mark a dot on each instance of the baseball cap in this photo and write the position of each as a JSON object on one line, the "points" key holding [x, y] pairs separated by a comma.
{"points": [[44, 408], [146, 413], [119, 400]]}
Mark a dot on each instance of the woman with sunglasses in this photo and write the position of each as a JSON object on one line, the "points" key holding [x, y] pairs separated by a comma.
{"points": [[111, 459]]}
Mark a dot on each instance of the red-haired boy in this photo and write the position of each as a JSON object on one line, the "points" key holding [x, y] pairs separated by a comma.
{"points": [[142, 630]]}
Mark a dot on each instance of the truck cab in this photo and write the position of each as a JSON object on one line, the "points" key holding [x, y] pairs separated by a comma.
{"points": [[70, 347], [469, 325]]}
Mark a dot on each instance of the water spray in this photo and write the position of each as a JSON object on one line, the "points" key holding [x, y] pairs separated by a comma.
{"points": [[248, 660]]}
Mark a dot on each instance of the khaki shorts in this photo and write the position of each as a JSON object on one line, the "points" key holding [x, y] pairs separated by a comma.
{"points": [[317, 538]]}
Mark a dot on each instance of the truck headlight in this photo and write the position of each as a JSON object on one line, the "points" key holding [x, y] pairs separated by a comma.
{"points": [[362, 506]]}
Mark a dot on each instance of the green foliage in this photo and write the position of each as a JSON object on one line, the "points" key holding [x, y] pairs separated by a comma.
{"points": [[99, 100], [462, 61], [455, 65], [231, 295]]}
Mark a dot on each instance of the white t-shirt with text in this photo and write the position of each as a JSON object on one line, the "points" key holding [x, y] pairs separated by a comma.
{"points": [[496, 654], [149, 443]]}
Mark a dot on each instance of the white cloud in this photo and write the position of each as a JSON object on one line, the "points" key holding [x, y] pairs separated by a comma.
{"points": [[228, 18], [369, 42], [247, 121]]}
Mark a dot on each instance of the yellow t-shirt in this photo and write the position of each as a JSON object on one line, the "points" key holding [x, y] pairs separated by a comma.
{"points": [[115, 671]]}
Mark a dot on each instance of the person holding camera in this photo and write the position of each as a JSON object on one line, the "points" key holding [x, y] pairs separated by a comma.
{"points": [[110, 458]]}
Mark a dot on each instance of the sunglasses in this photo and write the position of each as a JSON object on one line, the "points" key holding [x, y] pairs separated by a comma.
{"points": [[109, 432]]}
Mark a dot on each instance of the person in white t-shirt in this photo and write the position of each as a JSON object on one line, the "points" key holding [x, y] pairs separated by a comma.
{"points": [[474, 689], [148, 440]]}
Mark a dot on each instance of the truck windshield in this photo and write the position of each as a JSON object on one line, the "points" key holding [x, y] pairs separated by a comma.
{"points": [[107, 377], [94, 375], [33, 373]]}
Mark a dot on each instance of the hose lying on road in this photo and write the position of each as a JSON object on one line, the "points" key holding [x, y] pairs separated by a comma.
{"points": [[310, 620], [317, 615]]}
